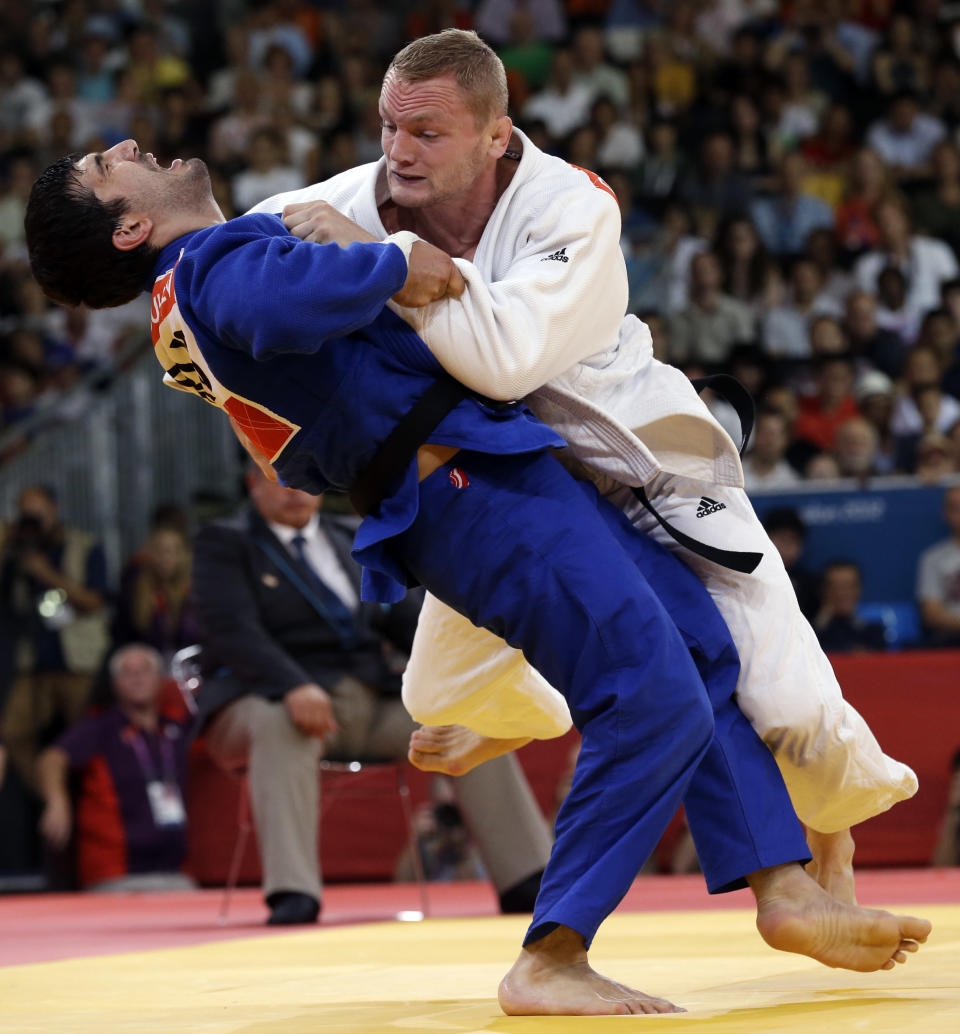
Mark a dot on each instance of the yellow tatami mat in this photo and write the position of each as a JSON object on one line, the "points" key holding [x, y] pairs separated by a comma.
{"points": [[441, 976]]}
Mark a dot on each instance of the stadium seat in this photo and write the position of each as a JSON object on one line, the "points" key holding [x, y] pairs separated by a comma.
{"points": [[900, 620]]}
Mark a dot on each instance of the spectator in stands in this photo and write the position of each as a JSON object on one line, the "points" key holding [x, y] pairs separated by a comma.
{"points": [[751, 155], [785, 329], [834, 143], [936, 458], [941, 332], [938, 580], [17, 180], [672, 74], [663, 165], [563, 105], [494, 18], [525, 56], [750, 275], [822, 248], [713, 322], [230, 134], [926, 263], [764, 466], [936, 210], [922, 406], [804, 103], [619, 144], [131, 761], [833, 404], [714, 189], [827, 337], [868, 183], [855, 449], [906, 137], [153, 605], [790, 215], [295, 669], [899, 63], [836, 623], [52, 595], [944, 98], [882, 348], [894, 314], [594, 72], [874, 393], [268, 171], [947, 851], [788, 533]]}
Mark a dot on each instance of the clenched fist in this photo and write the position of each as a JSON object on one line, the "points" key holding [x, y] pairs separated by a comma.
{"points": [[321, 223], [431, 275]]}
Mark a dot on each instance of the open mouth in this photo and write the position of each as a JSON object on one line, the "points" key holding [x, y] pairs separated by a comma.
{"points": [[407, 178], [175, 164]]}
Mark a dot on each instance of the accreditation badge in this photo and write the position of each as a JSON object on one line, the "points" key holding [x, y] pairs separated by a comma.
{"points": [[166, 804]]}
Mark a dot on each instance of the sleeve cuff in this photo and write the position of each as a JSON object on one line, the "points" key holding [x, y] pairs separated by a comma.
{"points": [[404, 240]]}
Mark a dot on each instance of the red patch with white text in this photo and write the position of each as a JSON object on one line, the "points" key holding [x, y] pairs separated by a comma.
{"points": [[598, 181], [458, 478]]}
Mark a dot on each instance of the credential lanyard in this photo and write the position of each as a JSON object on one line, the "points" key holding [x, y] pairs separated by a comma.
{"points": [[138, 744]]}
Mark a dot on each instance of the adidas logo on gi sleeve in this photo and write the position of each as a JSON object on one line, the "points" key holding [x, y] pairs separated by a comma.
{"points": [[708, 506], [557, 256]]}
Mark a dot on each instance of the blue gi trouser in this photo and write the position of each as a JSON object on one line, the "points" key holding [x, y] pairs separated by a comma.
{"points": [[519, 547]]}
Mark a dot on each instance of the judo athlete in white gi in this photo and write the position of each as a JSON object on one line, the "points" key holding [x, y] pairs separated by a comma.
{"points": [[293, 341], [542, 319]]}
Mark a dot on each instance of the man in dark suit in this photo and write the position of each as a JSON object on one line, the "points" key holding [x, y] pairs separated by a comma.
{"points": [[294, 670]]}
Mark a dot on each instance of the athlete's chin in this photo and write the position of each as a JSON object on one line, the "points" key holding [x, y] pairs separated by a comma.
{"points": [[411, 193]]}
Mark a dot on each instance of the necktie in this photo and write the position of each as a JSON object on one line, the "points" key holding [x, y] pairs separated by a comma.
{"points": [[334, 610]]}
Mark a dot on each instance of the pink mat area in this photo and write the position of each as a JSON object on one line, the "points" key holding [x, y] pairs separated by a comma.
{"points": [[41, 928]]}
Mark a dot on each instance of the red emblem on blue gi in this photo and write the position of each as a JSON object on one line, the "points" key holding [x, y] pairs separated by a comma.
{"points": [[458, 479]]}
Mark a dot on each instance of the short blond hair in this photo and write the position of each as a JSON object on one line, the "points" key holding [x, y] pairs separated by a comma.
{"points": [[479, 72]]}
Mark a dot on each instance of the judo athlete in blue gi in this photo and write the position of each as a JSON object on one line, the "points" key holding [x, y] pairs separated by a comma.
{"points": [[293, 341]]}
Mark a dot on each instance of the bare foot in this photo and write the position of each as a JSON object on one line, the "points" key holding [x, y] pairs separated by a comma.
{"points": [[552, 977], [796, 914], [832, 865], [454, 749]]}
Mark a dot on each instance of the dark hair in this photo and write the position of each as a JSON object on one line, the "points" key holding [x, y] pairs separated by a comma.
{"points": [[69, 234], [837, 564], [784, 518]]}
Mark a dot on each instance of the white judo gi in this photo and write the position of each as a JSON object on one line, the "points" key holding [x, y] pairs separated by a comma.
{"points": [[542, 319]]}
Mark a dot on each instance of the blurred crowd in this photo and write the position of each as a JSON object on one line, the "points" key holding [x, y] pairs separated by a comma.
{"points": [[788, 173]]}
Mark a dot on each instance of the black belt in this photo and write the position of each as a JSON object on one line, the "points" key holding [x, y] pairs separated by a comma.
{"points": [[445, 394], [401, 444], [738, 397]]}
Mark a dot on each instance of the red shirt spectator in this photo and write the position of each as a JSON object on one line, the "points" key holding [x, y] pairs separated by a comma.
{"points": [[834, 404]]}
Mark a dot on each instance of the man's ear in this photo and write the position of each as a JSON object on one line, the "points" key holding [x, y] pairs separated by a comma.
{"points": [[133, 230], [501, 131]]}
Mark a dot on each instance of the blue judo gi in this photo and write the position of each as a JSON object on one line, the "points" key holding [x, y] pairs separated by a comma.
{"points": [[293, 341]]}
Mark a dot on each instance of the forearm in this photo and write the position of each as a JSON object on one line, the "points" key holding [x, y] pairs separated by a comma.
{"points": [[501, 341], [53, 767], [87, 601], [938, 617]]}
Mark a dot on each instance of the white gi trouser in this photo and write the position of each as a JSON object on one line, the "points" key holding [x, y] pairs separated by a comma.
{"points": [[834, 769]]}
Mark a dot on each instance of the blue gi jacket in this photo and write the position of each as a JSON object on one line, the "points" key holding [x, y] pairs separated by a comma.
{"points": [[293, 340]]}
